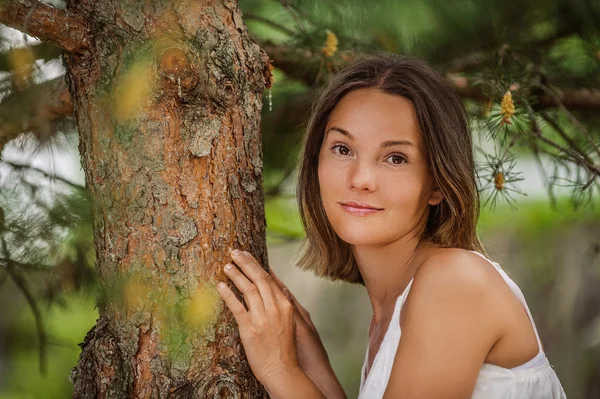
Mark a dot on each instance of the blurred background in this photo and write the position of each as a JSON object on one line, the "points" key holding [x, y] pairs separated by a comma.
{"points": [[529, 75]]}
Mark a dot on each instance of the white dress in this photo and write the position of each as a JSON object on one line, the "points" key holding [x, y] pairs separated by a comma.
{"points": [[535, 379]]}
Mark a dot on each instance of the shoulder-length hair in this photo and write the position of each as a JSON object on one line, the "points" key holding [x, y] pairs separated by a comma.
{"points": [[443, 122]]}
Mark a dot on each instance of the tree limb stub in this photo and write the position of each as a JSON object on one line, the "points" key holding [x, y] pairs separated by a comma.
{"points": [[49, 24]]}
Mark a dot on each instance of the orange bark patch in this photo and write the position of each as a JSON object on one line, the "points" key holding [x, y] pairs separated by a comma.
{"points": [[174, 61]]}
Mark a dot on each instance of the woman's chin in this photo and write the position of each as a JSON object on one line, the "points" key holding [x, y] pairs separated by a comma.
{"points": [[361, 238]]}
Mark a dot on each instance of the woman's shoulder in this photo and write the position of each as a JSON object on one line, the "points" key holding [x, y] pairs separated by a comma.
{"points": [[457, 266], [460, 282], [450, 309]]}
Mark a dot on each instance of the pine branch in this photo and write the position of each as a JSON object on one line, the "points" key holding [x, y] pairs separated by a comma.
{"points": [[303, 65], [299, 64], [41, 51], [21, 283], [580, 98], [27, 267], [478, 59], [564, 135], [50, 176], [47, 23], [569, 99], [38, 109], [559, 98], [547, 182], [571, 153], [272, 24]]}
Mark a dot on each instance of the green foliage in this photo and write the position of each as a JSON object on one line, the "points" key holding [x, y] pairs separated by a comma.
{"points": [[281, 132], [283, 220], [536, 217], [66, 327], [575, 60]]}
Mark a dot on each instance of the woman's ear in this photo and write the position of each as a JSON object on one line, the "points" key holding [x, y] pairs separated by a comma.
{"points": [[436, 196]]}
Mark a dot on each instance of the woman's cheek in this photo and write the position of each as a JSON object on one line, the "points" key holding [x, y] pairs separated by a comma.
{"points": [[330, 178]]}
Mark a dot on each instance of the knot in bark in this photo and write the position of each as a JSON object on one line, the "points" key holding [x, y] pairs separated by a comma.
{"points": [[179, 78]]}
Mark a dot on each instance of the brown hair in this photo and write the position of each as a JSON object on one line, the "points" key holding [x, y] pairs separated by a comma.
{"points": [[443, 122]]}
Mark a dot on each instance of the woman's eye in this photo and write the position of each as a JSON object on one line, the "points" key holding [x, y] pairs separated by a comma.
{"points": [[397, 159], [341, 149]]}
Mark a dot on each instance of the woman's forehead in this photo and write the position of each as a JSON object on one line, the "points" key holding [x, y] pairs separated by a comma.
{"points": [[373, 116]]}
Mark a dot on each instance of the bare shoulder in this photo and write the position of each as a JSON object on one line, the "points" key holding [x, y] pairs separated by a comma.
{"points": [[455, 270], [449, 310], [457, 284]]}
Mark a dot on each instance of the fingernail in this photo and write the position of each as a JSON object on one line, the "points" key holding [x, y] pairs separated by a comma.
{"points": [[221, 285], [228, 266], [236, 252]]}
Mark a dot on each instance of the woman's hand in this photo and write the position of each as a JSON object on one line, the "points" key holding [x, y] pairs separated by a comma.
{"points": [[267, 328], [312, 356]]}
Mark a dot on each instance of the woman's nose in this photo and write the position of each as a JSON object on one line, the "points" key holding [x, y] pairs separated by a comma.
{"points": [[362, 177]]}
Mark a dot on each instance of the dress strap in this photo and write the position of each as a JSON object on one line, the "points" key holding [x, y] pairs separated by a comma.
{"points": [[518, 293], [392, 333], [400, 302]]}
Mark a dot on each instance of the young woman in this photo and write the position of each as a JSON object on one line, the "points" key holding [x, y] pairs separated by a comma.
{"points": [[388, 198]]}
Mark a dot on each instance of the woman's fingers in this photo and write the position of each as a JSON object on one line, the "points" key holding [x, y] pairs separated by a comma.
{"points": [[281, 285], [237, 309], [251, 293], [259, 277], [282, 288], [288, 294], [303, 312]]}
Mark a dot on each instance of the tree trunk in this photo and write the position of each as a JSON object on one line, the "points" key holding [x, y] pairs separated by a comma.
{"points": [[167, 99]]}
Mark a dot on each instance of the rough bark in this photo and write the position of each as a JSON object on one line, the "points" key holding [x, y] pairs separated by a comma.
{"points": [[167, 99]]}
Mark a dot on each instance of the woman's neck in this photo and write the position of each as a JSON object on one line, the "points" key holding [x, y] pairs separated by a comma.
{"points": [[387, 270]]}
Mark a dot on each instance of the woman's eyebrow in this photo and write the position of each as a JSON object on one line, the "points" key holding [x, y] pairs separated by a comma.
{"points": [[385, 144]]}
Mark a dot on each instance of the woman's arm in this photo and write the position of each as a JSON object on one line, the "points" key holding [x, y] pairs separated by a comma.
{"points": [[312, 356], [449, 324], [293, 383], [267, 329]]}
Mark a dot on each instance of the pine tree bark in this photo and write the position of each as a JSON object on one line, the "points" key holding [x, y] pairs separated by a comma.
{"points": [[167, 98]]}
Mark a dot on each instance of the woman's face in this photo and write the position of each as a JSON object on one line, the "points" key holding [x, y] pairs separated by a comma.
{"points": [[373, 153]]}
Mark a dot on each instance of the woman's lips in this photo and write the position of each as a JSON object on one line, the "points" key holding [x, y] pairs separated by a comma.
{"points": [[359, 211]]}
